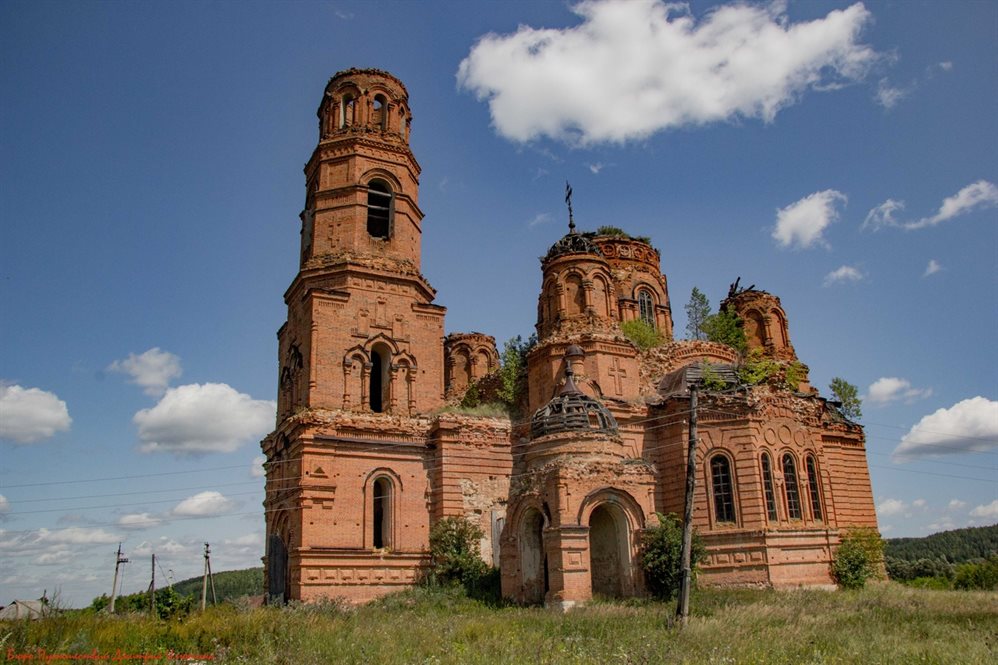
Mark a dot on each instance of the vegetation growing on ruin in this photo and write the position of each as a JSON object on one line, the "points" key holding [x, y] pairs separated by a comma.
{"points": [[660, 556], [644, 335], [848, 396], [883, 623], [725, 327], [617, 232]]}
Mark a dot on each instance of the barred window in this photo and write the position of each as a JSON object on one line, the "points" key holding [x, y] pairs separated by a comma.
{"points": [[646, 307], [724, 498], [767, 484], [812, 482], [791, 488], [379, 209]]}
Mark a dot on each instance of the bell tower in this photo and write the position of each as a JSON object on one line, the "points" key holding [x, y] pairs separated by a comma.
{"points": [[363, 333]]}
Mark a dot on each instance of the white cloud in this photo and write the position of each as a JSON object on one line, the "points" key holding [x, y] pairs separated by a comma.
{"points": [[801, 224], [933, 267], [889, 389], [4, 506], [635, 67], [138, 521], [540, 218], [888, 95], [946, 65], [22, 543], [842, 275], [203, 418], [988, 511], [956, 504], [256, 469], [152, 370], [596, 168], [891, 507], [883, 215], [977, 196], [919, 503], [162, 545], [970, 425], [204, 504], [31, 414]]}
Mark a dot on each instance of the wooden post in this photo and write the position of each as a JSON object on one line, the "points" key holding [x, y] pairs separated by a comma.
{"points": [[683, 604]]}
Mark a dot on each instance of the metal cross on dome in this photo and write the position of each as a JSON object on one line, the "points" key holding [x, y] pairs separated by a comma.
{"points": [[568, 200]]}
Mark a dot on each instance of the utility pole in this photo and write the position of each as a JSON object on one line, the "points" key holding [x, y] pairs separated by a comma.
{"points": [[118, 560], [683, 605], [152, 589], [206, 577]]}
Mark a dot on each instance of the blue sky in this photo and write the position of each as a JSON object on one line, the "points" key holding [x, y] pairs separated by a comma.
{"points": [[840, 156]]}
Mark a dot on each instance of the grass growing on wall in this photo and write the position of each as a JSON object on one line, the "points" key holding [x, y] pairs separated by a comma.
{"points": [[884, 623]]}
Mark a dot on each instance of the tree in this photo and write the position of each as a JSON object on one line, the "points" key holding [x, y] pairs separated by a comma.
{"points": [[644, 335], [848, 395], [725, 327], [697, 311], [660, 556], [858, 557], [513, 362]]}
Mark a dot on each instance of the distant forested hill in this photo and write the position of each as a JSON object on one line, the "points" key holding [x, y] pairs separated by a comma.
{"points": [[957, 546], [229, 585]]}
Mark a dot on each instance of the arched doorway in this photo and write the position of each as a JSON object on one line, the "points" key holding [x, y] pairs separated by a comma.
{"points": [[277, 570], [533, 560], [608, 552]]}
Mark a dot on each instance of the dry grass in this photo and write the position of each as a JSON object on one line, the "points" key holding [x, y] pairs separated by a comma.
{"points": [[886, 623]]}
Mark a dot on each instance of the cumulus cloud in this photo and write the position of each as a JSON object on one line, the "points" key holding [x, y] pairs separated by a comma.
{"points": [[152, 370], [31, 414], [988, 511], [35, 543], [204, 504], [956, 504], [970, 425], [919, 503], [596, 168], [842, 275], [801, 224], [138, 521], [891, 507], [203, 418], [933, 267], [635, 67], [4, 506], [976, 196], [883, 215], [162, 545], [889, 389]]}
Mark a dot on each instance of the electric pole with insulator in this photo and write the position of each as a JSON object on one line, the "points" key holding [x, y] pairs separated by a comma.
{"points": [[118, 560], [683, 605]]}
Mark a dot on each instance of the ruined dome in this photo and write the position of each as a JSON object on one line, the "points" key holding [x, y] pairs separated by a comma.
{"points": [[572, 411], [573, 243]]}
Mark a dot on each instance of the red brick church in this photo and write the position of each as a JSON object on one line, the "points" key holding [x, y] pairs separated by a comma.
{"points": [[363, 461]]}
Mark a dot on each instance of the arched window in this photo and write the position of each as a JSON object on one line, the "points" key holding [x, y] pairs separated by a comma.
{"points": [[379, 209], [724, 497], [767, 486], [348, 105], [380, 383], [646, 307], [382, 522], [812, 483], [380, 111], [791, 488]]}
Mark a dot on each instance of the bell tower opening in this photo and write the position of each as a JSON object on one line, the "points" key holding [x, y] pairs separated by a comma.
{"points": [[380, 383], [379, 209]]}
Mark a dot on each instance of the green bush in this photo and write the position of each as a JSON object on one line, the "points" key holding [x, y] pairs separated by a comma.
{"points": [[644, 335], [983, 575], [661, 549], [858, 558], [455, 557], [725, 327]]}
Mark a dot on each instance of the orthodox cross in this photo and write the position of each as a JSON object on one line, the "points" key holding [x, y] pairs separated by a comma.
{"points": [[617, 373], [568, 200]]}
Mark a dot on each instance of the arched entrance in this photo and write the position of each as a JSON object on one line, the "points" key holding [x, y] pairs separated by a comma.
{"points": [[533, 560], [278, 590], [608, 551]]}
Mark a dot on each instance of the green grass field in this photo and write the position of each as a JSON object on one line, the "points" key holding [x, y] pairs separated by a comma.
{"points": [[884, 623]]}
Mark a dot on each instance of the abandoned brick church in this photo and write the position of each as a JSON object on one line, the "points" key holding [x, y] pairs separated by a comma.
{"points": [[363, 461]]}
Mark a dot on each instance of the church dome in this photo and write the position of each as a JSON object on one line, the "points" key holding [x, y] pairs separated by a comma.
{"points": [[572, 411]]}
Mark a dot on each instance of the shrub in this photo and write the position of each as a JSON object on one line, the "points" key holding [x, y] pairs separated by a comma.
{"points": [[644, 335], [983, 575], [858, 558], [725, 327], [455, 557], [661, 549]]}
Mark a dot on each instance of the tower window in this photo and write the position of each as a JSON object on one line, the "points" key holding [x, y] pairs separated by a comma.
{"points": [[767, 484], [382, 523], [724, 497], [646, 307], [381, 111], [812, 482], [347, 107], [379, 209], [791, 488]]}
